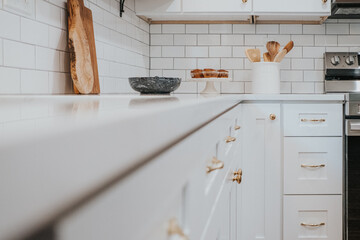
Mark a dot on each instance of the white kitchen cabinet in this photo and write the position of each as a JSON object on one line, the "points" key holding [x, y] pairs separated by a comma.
{"points": [[158, 6], [311, 7], [261, 191], [224, 6]]}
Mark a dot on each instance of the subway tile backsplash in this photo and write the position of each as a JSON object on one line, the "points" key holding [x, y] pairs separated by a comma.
{"points": [[34, 57], [223, 45]]}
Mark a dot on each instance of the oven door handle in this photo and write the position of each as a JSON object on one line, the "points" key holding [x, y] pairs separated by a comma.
{"points": [[353, 127]]}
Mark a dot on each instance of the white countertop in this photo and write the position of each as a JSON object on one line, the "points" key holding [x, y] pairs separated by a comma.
{"points": [[56, 150]]}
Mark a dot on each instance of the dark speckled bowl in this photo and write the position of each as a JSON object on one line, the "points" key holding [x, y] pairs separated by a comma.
{"points": [[154, 85]]}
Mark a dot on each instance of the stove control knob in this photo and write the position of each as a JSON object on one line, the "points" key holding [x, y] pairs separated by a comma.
{"points": [[350, 60], [335, 60]]}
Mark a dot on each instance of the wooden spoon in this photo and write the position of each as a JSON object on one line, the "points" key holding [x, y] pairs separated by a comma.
{"points": [[289, 46], [280, 56], [253, 55], [267, 57], [273, 48]]}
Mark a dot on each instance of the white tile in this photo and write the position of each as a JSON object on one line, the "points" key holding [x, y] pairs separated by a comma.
{"points": [[185, 40], [18, 54], [355, 28], [185, 63], [220, 51], [162, 63], [232, 40], [314, 29], [60, 83], [313, 52], [306, 64], [154, 73], [302, 87], [173, 51], [197, 51], [291, 76], [285, 64], [220, 28], [155, 28], [337, 28], [255, 40], [325, 40], [239, 51], [282, 39], [319, 64], [303, 40], [187, 87], [248, 87], [314, 76], [63, 17], [296, 52], [1, 52], [285, 88], [64, 62], [34, 82], [175, 73], [105, 4], [197, 28], [319, 88], [247, 64], [267, 29], [348, 40], [232, 87], [242, 75], [48, 13], [47, 59], [162, 40], [155, 51], [232, 63], [208, 40], [244, 28], [97, 13], [291, 28], [209, 63], [34, 32], [173, 28], [10, 25], [9, 80], [337, 49], [58, 39]]}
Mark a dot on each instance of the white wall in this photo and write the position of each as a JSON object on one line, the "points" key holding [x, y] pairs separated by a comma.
{"points": [[176, 49], [34, 55]]}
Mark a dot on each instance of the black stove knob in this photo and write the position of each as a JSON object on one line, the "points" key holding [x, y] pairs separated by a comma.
{"points": [[335, 60], [350, 60]]}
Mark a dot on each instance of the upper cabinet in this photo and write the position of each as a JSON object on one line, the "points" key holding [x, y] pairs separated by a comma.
{"points": [[224, 6], [234, 10]]}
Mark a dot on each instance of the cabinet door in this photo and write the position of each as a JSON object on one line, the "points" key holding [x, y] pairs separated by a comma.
{"points": [[217, 6], [157, 6], [260, 200], [292, 6]]}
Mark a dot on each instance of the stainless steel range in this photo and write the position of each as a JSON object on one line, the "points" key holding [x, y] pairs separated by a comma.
{"points": [[342, 75]]}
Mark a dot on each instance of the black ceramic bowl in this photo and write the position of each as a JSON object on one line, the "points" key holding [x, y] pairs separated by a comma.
{"points": [[154, 85]]}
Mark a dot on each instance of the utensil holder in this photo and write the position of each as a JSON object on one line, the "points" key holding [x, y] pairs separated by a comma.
{"points": [[266, 77]]}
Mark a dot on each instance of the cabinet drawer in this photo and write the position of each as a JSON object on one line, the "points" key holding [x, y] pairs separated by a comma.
{"points": [[313, 119], [313, 165], [313, 217]]}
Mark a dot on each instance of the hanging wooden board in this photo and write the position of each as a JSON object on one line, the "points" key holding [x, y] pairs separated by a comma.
{"points": [[83, 62]]}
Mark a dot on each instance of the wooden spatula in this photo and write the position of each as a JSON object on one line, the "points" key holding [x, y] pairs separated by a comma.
{"points": [[273, 48], [289, 46], [253, 55], [280, 56], [267, 57]]}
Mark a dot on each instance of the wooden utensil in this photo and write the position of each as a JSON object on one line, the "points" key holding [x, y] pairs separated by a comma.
{"points": [[83, 61], [253, 55], [280, 56], [273, 48], [289, 46], [267, 57]]}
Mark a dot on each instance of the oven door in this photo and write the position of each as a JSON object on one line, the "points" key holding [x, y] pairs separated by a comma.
{"points": [[352, 180]]}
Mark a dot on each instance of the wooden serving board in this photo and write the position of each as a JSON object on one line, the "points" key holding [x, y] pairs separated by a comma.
{"points": [[83, 61]]}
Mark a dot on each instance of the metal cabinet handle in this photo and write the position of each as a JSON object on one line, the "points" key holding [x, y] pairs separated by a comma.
{"points": [[230, 139], [272, 117], [312, 166], [237, 176], [175, 229], [237, 127], [312, 225], [216, 164], [313, 120]]}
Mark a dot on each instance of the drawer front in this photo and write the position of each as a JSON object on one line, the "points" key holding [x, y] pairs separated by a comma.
{"points": [[313, 165], [313, 119], [313, 217]]}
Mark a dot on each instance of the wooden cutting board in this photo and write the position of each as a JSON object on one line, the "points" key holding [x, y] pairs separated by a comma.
{"points": [[83, 62]]}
